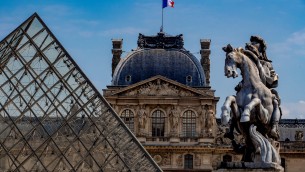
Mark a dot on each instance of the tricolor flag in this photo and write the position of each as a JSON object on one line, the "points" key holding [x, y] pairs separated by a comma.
{"points": [[168, 3]]}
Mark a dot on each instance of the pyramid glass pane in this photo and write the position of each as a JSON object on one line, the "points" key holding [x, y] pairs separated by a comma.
{"points": [[51, 117]]}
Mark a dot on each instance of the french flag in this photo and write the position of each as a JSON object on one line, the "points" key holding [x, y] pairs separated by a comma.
{"points": [[168, 3]]}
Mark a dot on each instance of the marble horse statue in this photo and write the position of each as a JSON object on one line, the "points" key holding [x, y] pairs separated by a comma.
{"points": [[251, 109]]}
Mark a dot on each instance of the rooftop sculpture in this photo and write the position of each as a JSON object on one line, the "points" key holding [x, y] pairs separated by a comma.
{"points": [[255, 109]]}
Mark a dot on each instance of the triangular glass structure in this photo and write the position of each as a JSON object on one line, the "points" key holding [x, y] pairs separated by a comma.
{"points": [[52, 118]]}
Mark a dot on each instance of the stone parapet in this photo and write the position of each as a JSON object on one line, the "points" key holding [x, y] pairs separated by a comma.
{"points": [[249, 166]]}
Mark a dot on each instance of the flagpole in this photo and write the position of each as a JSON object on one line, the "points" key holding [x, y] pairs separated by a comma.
{"points": [[161, 29], [162, 22]]}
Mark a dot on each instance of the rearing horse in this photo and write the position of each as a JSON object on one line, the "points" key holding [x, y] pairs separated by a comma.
{"points": [[253, 103], [254, 98]]}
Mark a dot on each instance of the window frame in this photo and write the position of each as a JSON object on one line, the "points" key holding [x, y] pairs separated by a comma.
{"points": [[158, 123], [188, 161], [189, 124], [130, 115]]}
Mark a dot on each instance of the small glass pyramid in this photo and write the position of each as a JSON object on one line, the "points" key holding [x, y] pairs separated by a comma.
{"points": [[51, 116]]}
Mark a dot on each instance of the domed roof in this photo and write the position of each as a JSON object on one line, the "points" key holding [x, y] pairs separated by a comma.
{"points": [[171, 61]]}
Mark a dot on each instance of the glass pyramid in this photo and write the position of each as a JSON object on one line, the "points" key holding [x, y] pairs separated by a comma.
{"points": [[52, 118]]}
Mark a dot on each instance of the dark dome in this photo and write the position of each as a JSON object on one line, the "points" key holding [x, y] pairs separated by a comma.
{"points": [[176, 64]]}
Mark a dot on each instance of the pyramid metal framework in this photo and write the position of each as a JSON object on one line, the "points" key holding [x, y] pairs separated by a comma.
{"points": [[52, 118]]}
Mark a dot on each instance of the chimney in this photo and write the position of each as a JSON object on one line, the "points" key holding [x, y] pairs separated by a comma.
{"points": [[116, 52], [205, 58]]}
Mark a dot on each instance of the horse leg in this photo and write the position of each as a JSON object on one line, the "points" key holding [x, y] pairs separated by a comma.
{"points": [[276, 115], [255, 103], [235, 117], [225, 109], [230, 103]]}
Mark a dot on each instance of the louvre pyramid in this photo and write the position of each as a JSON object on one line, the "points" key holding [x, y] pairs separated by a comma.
{"points": [[52, 118]]}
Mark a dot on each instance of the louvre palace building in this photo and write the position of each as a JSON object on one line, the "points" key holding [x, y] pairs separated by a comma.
{"points": [[157, 114]]}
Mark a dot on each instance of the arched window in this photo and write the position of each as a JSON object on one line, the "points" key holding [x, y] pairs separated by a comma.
{"points": [[189, 124], [158, 119], [128, 118], [227, 158], [188, 161]]}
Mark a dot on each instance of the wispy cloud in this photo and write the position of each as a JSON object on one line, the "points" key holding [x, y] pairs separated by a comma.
{"points": [[122, 31], [297, 38], [294, 110], [85, 22], [294, 44], [58, 10]]}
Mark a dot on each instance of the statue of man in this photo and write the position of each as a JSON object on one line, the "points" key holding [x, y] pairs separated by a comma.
{"points": [[141, 119], [210, 121], [257, 49], [174, 118]]}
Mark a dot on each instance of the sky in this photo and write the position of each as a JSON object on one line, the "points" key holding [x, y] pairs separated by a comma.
{"points": [[85, 29]]}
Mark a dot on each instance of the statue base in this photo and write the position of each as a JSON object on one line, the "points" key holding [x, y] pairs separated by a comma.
{"points": [[141, 139], [249, 166], [206, 140]]}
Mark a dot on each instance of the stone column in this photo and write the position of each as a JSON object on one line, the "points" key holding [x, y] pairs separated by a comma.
{"points": [[116, 52], [205, 58]]}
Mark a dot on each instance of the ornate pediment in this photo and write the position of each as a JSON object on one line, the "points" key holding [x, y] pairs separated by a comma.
{"points": [[160, 86]]}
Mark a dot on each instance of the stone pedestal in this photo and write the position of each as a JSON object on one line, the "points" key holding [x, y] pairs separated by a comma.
{"points": [[174, 140], [249, 166], [141, 139]]}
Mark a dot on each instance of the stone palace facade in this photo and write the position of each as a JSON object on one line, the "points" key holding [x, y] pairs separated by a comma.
{"points": [[163, 94], [159, 112]]}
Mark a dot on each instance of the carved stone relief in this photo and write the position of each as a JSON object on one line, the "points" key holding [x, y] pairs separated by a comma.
{"points": [[210, 122], [173, 115], [299, 136], [197, 160], [158, 158], [216, 160], [159, 88], [207, 121], [221, 140], [161, 40], [180, 160], [142, 120], [166, 159], [206, 159]]}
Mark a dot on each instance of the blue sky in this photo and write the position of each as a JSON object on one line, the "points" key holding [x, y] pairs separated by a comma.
{"points": [[85, 29]]}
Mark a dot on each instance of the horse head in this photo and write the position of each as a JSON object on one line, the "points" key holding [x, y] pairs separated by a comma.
{"points": [[233, 59]]}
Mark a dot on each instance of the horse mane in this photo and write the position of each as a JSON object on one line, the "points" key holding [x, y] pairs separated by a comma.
{"points": [[239, 49], [247, 53]]}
